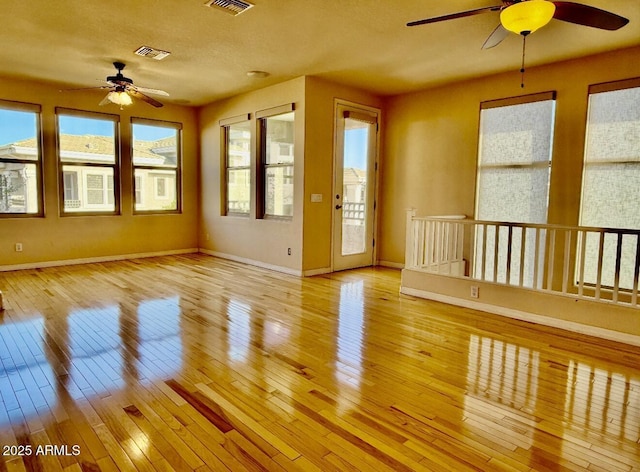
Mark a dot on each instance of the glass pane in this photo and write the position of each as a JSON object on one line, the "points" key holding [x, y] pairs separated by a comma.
{"points": [[611, 190], [515, 147], [83, 139], [18, 135], [155, 146], [279, 132], [239, 144], [354, 187], [18, 188], [517, 195], [517, 134], [88, 189], [614, 126], [238, 190], [155, 189], [279, 191]]}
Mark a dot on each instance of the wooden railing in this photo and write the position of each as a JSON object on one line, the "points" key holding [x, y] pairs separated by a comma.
{"points": [[583, 262]]}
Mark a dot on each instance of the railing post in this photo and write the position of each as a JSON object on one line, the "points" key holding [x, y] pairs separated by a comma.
{"points": [[409, 249]]}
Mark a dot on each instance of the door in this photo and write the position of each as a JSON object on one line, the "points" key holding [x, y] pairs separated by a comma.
{"points": [[356, 148]]}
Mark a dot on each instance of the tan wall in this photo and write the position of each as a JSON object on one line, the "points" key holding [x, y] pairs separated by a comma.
{"points": [[431, 141], [320, 121], [56, 238], [621, 322], [262, 240]]}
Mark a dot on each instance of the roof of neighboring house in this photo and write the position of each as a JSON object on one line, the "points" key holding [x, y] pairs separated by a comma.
{"points": [[100, 148], [354, 176]]}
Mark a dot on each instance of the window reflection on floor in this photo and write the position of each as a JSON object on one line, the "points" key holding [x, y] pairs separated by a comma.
{"points": [[239, 323], [92, 351], [350, 332], [603, 401], [503, 372]]}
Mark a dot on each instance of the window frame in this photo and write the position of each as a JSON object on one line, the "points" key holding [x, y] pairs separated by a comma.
{"points": [[225, 126], [177, 126], [514, 165], [115, 166], [38, 162], [506, 102], [263, 167], [594, 89]]}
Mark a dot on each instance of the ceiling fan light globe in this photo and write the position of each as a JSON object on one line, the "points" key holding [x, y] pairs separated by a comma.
{"points": [[527, 16], [119, 98]]}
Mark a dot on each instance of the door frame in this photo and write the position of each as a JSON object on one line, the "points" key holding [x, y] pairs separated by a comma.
{"points": [[376, 181]]}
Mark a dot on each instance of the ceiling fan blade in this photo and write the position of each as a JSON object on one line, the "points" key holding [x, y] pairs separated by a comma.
{"points": [[496, 37], [453, 16], [588, 16], [149, 90], [135, 93]]}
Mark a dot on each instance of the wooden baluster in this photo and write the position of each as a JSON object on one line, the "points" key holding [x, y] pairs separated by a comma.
{"points": [[551, 251], [636, 271], [583, 252], [599, 274], [523, 243], [616, 276], [566, 260]]}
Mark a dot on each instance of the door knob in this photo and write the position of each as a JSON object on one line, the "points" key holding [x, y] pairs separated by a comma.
{"points": [[338, 207]]}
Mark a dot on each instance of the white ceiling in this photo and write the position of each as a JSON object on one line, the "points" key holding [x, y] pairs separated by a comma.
{"points": [[364, 43]]}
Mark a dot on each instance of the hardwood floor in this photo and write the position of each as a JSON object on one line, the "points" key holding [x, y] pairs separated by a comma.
{"points": [[196, 363]]}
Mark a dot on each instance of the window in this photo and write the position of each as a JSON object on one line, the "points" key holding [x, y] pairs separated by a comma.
{"points": [[88, 154], [237, 155], [514, 166], [20, 160], [277, 158], [611, 178], [156, 165]]}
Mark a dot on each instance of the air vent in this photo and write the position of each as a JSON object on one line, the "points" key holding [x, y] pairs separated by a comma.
{"points": [[146, 51], [233, 7]]}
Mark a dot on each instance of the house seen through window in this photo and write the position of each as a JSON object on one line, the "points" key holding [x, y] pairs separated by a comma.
{"points": [[156, 164], [277, 159], [20, 159], [89, 161]]}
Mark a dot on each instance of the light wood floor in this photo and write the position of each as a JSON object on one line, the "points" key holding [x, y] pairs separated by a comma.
{"points": [[195, 363]]}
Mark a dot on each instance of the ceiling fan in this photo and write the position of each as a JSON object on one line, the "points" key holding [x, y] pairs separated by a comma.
{"points": [[121, 89], [526, 16]]}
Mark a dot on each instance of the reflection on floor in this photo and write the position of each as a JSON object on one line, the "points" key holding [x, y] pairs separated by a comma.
{"points": [[195, 363]]}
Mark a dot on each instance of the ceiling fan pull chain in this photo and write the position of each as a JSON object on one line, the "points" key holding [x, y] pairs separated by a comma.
{"points": [[524, 44]]}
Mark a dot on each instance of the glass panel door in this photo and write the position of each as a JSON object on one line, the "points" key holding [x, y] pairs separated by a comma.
{"points": [[356, 149]]}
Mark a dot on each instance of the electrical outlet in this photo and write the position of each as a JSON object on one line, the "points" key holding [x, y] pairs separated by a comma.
{"points": [[288, 251], [18, 247], [475, 291]]}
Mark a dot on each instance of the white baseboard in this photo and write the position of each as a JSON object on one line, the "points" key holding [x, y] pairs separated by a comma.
{"points": [[245, 260], [393, 265], [525, 316], [90, 260]]}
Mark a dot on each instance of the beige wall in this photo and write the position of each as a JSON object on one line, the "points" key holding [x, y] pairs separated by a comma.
{"points": [[430, 150], [250, 238], [308, 234], [56, 238]]}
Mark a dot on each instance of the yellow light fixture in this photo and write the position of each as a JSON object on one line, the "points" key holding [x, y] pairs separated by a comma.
{"points": [[527, 16], [119, 98]]}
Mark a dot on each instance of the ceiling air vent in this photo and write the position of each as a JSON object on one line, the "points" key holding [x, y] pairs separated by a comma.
{"points": [[234, 7], [146, 51]]}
